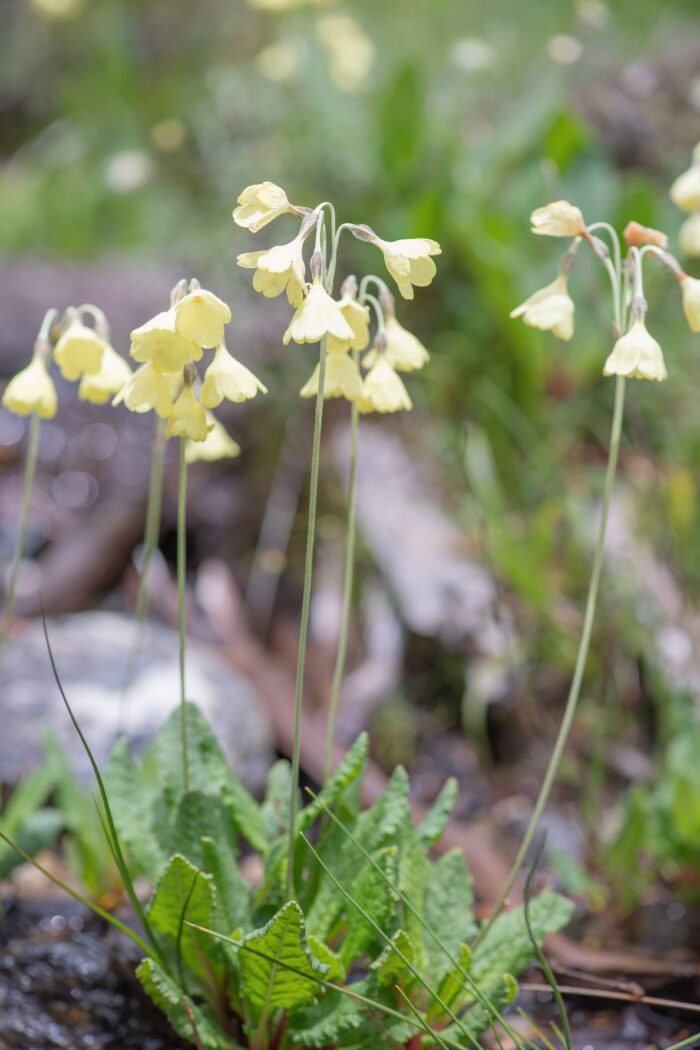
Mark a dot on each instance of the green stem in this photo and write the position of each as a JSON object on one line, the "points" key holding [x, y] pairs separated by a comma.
{"points": [[181, 569], [305, 605], [347, 589], [151, 533], [575, 690], [29, 472]]}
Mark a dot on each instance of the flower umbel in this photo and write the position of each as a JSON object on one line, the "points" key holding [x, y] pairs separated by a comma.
{"points": [[636, 354], [32, 390], [260, 204], [550, 308]]}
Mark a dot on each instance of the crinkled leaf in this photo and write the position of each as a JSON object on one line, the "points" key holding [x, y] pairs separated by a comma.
{"points": [[275, 808], [389, 965], [168, 995], [166, 908], [435, 821], [477, 1020], [336, 970], [376, 897], [347, 772], [453, 983], [232, 898], [449, 903], [133, 802]]}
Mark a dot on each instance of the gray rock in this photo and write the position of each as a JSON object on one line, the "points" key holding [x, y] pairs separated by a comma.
{"points": [[92, 651]]}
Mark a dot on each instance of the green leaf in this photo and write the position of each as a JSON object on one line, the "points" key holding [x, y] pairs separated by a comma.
{"points": [[435, 821], [476, 1020], [168, 995], [326, 1022], [449, 903], [452, 983], [133, 803], [232, 897], [166, 909], [375, 896], [275, 808], [267, 985], [347, 772], [336, 970], [389, 965]]}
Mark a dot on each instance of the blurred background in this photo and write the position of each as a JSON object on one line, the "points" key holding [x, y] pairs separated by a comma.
{"points": [[127, 130]]}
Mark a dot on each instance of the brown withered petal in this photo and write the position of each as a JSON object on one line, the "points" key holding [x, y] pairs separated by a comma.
{"points": [[636, 235]]}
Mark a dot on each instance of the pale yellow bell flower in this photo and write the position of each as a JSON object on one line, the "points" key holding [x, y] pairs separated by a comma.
{"points": [[228, 378], [384, 390], [558, 219], [32, 390], [403, 351], [550, 308], [260, 204], [409, 262], [689, 236], [101, 386], [159, 341], [278, 269], [201, 316], [690, 290], [636, 354], [342, 379], [79, 350], [147, 389], [358, 317], [218, 444], [187, 418], [317, 316], [685, 191]]}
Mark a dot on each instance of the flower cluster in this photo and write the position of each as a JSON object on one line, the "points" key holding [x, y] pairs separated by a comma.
{"points": [[344, 324], [685, 194]]}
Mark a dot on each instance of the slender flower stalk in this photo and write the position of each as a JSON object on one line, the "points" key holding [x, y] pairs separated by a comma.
{"points": [[181, 570]]}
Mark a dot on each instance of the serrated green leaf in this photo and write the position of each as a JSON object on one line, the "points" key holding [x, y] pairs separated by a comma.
{"points": [[477, 1019], [133, 802], [232, 896], [448, 911], [336, 970], [452, 984], [377, 899], [165, 910], [168, 995], [388, 817], [389, 965], [275, 808], [325, 1022], [347, 773], [267, 985], [435, 821]]}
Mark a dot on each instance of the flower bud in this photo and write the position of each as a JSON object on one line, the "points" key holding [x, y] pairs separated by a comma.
{"points": [[558, 219]]}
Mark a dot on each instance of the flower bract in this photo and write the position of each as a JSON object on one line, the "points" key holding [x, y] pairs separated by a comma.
{"points": [[278, 269], [218, 444], [228, 378], [342, 379], [187, 418], [79, 350], [98, 387], [201, 316], [384, 390], [259, 205], [409, 262], [147, 389], [317, 316], [636, 354], [159, 341], [32, 390], [550, 308], [558, 219]]}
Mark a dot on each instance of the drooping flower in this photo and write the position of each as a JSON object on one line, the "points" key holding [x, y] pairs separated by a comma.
{"points": [[201, 316], [384, 390], [228, 378], [558, 219], [147, 389], [690, 290], [685, 191], [550, 308], [187, 418], [159, 341], [98, 387], [689, 236], [32, 390], [317, 316], [409, 262], [79, 350], [403, 351], [636, 354], [342, 379], [218, 444], [278, 269], [260, 204], [358, 317]]}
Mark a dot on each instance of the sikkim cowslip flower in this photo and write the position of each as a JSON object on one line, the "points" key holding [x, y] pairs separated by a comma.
{"points": [[79, 350], [159, 341], [259, 205], [98, 387], [685, 191], [358, 317], [689, 235], [318, 315], [218, 444], [201, 316], [147, 389], [32, 390], [342, 379], [187, 418], [403, 351], [384, 390], [228, 378], [550, 308], [558, 219], [409, 262], [690, 290], [278, 269], [636, 354]]}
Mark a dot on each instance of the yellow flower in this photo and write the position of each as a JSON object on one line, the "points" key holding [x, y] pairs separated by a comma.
{"points": [[342, 379], [259, 205], [403, 351], [187, 418], [685, 191], [147, 389], [228, 378], [100, 386], [636, 354], [690, 290], [201, 316], [218, 444], [159, 341], [549, 308], [317, 316], [278, 269], [79, 350], [408, 261], [689, 236], [558, 219], [384, 390], [32, 390], [358, 317]]}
